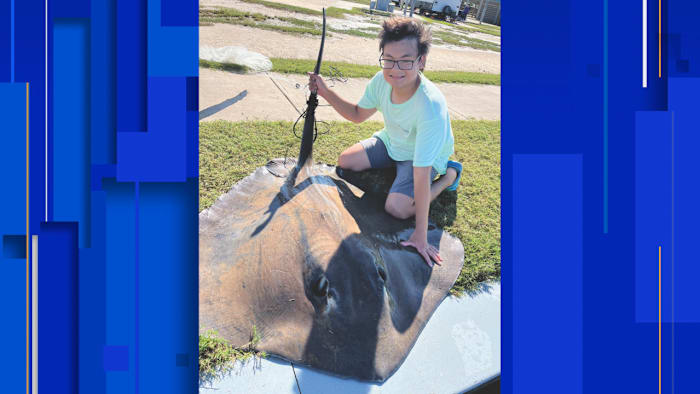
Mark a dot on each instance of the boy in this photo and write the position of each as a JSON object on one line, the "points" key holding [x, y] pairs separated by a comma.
{"points": [[417, 137]]}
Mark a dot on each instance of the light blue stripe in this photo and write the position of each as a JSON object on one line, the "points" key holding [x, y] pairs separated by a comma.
{"points": [[605, 116]]}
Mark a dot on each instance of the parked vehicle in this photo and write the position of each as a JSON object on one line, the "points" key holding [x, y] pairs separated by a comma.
{"points": [[443, 8]]}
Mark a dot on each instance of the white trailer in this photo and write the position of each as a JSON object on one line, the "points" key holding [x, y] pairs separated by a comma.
{"points": [[443, 8]]}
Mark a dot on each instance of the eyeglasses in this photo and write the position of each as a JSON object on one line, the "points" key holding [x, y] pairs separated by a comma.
{"points": [[403, 64]]}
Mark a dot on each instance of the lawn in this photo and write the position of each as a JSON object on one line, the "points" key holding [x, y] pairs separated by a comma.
{"points": [[349, 70], [230, 151]]}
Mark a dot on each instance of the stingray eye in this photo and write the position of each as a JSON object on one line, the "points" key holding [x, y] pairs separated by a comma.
{"points": [[382, 272], [321, 287]]}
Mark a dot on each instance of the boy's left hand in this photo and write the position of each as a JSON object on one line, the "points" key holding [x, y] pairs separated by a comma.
{"points": [[424, 249]]}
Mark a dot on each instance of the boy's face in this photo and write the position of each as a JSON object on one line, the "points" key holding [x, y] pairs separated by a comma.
{"points": [[406, 49]]}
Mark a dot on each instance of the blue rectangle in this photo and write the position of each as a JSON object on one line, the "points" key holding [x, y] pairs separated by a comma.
{"points": [[160, 154], [13, 330], [120, 291], [547, 342], [13, 277], [131, 57], [116, 358], [13, 112], [103, 90], [168, 255], [652, 210], [71, 124], [92, 303], [172, 50], [58, 311], [70, 8], [14, 246], [6, 40], [179, 13], [686, 209]]}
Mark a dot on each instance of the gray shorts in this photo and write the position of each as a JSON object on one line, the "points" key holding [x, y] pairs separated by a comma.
{"points": [[379, 158]]}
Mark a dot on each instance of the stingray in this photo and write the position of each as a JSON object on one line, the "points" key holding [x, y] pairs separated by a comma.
{"points": [[319, 270], [315, 264]]}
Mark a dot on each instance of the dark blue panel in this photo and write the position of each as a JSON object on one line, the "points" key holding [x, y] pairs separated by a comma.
{"points": [[71, 124], [652, 210], [547, 316], [192, 144], [131, 65], [99, 172], [103, 130], [168, 253], [14, 246], [684, 53], [70, 8], [192, 93], [179, 13], [58, 312], [160, 154], [6, 40], [30, 67], [192, 127]]}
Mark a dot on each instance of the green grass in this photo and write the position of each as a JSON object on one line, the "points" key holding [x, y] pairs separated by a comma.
{"points": [[230, 151], [455, 39], [302, 66], [257, 20], [286, 7], [358, 33], [232, 67], [488, 29], [230, 13], [469, 27], [216, 355], [334, 12], [349, 70]]}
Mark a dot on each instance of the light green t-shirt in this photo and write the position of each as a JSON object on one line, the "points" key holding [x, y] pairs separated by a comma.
{"points": [[418, 129]]}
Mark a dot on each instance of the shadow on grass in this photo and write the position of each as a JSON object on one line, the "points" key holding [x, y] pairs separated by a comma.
{"points": [[443, 210], [209, 111]]}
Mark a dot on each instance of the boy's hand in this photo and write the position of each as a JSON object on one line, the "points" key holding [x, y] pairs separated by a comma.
{"points": [[424, 249], [316, 85]]}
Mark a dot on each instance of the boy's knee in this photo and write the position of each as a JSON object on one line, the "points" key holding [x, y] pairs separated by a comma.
{"points": [[397, 209], [345, 162]]}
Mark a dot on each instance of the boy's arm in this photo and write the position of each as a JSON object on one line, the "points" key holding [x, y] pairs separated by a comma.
{"points": [[421, 191], [419, 238], [349, 111]]}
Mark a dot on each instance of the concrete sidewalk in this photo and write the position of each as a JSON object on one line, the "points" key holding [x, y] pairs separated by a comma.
{"points": [[459, 349], [272, 96]]}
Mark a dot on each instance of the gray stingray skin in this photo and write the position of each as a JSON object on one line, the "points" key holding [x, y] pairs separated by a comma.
{"points": [[316, 266]]}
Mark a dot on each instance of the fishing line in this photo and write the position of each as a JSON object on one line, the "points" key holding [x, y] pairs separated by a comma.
{"points": [[334, 76]]}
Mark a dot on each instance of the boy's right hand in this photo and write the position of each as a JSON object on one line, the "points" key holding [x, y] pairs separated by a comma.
{"points": [[317, 85]]}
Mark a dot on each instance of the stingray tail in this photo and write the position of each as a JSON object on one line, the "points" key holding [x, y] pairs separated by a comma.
{"points": [[308, 135]]}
